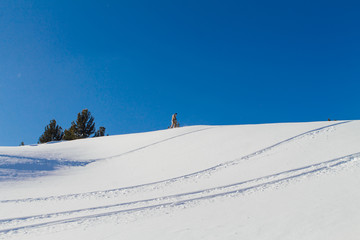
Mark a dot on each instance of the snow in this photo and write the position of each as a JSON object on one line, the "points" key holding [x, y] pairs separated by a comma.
{"points": [[267, 181]]}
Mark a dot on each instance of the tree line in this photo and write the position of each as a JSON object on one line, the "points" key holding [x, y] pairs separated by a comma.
{"points": [[83, 127]]}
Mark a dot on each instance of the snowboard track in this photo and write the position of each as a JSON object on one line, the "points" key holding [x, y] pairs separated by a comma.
{"points": [[175, 179], [181, 199], [46, 164]]}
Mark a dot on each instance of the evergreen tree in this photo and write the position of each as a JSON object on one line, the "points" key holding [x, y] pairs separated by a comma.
{"points": [[53, 132], [100, 132], [69, 134], [84, 125]]}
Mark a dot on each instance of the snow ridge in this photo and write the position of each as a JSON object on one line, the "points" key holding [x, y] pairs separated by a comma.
{"points": [[188, 191], [179, 178]]}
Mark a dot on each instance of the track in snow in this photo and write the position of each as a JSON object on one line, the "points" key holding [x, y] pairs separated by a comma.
{"points": [[27, 167], [55, 219], [80, 215], [179, 178]]}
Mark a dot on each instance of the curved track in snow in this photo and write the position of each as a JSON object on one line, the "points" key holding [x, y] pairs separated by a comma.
{"points": [[179, 178], [81, 215]]}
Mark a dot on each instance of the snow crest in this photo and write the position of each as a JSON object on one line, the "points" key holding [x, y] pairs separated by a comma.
{"points": [[174, 183]]}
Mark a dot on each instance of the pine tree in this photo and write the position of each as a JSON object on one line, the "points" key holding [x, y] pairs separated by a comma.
{"points": [[53, 132], [84, 125], [69, 134], [100, 132]]}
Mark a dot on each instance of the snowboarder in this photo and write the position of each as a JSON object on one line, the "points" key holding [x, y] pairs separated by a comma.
{"points": [[174, 122]]}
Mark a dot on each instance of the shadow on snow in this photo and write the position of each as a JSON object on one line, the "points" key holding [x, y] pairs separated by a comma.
{"points": [[19, 166]]}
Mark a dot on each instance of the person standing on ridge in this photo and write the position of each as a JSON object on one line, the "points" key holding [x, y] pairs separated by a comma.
{"points": [[174, 122]]}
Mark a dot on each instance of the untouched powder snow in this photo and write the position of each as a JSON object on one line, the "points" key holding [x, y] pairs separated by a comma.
{"points": [[268, 181]]}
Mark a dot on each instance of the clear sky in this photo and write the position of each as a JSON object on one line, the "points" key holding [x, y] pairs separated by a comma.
{"points": [[134, 63]]}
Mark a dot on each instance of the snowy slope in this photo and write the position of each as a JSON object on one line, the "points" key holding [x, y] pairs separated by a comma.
{"points": [[269, 181]]}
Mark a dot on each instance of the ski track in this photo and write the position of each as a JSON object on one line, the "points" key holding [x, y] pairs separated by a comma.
{"points": [[150, 145], [178, 199], [64, 162], [170, 200], [175, 179]]}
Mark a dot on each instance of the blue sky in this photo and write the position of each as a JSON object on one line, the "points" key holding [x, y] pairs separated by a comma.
{"points": [[134, 63]]}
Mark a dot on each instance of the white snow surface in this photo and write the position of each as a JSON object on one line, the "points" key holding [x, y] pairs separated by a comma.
{"points": [[267, 181]]}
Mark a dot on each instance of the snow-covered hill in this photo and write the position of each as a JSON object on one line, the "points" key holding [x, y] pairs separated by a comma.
{"points": [[269, 181]]}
